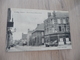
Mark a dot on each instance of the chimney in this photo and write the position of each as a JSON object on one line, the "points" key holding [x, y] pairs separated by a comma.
{"points": [[38, 24], [9, 14], [54, 14], [49, 14]]}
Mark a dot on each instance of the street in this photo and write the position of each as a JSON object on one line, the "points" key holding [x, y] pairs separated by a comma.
{"points": [[35, 48]]}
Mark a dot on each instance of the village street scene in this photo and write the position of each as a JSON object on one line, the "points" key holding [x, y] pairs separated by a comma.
{"points": [[53, 33]]}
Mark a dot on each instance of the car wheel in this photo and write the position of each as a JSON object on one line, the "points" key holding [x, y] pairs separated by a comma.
{"points": [[47, 45], [8, 47]]}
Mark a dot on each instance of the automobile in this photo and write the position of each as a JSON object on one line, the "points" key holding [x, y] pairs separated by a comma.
{"points": [[51, 43], [22, 43], [12, 45]]}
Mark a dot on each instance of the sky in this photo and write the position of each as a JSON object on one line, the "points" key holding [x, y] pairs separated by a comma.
{"points": [[25, 19]]}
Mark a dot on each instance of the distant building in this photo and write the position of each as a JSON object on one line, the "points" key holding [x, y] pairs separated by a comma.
{"points": [[24, 36], [29, 37], [38, 35], [56, 26], [23, 40]]}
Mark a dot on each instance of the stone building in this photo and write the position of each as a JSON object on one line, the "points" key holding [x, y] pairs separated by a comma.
{"points": [[56, 26], [38, 35], [24, 36], [29, 37]]}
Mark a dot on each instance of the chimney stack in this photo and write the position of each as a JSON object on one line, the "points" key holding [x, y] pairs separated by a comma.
{"points": [[49, 14], [54, 14]]}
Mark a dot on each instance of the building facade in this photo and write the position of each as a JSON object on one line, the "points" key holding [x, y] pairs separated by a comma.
{"points": [[24, 36], [29, 37], [38, 35], [10, 25], [56, 27], [23, 40]]}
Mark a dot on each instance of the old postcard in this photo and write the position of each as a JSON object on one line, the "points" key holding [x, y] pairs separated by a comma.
{"points": [[36, 30]]}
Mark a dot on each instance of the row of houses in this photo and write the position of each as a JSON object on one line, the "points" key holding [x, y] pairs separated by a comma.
{"points": [[55, 27]]}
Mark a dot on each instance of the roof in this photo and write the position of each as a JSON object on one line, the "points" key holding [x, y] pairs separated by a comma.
{"points": [[40, 27], [61, 13], [24, 34]]}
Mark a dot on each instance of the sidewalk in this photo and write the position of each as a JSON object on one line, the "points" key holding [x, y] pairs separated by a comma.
{"points": [[37, 48]]}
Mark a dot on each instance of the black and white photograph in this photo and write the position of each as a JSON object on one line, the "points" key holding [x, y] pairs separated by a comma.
{"points": [[36, 30]]}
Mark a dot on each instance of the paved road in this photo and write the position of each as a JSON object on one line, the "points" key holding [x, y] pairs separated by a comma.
{"points": [[24, 48], [34, 48]]}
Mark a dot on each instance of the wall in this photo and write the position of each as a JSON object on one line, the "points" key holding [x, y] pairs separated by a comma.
{"points": [[73, 6]]}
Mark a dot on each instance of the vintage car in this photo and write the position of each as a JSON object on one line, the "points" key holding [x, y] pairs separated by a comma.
{"points": [[51, 43], [22, 43]]}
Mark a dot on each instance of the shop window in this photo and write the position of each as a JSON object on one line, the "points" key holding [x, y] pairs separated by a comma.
{"points": [[67, 39], [42, 40], [61, 39]]}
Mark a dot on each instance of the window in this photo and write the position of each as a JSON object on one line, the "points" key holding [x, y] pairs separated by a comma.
{"points": [[47, 30], [61, 39], [64, 21], [53, 30], [59, 28], [59, 21], [42, 40], [67, 39], [52, 21], [42, 33], [67, 28], [50, 30], [67, 19], [63, 28]]}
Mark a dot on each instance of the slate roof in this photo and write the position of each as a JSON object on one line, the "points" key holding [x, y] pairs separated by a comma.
{"points": [[40, 27]]}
